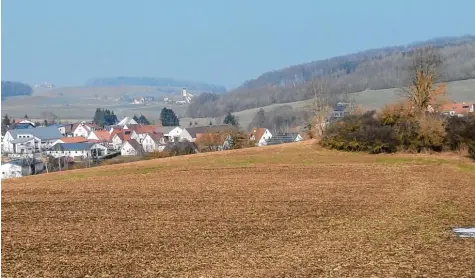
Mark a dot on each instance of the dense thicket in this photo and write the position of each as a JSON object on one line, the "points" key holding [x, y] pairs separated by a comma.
{"points": [[379, 134]]}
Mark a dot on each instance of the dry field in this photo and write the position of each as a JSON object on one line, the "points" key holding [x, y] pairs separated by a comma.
{"points": [[283, 211]]}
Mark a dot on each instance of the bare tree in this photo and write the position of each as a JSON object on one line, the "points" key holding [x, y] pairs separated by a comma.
{"points": [[424, 73], [319, 89]]}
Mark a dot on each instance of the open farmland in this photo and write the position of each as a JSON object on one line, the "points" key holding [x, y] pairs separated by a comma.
{"points": [[292, 210]]}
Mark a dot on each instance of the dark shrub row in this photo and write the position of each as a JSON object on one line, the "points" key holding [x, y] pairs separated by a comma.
{"points": [[385, 133]]}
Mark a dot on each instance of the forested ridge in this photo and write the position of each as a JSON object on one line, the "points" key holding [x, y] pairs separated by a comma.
{"points": [[156, 82], [372, 69]]}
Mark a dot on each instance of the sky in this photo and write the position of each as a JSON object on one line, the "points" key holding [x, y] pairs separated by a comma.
{"points": [[224, 42]]}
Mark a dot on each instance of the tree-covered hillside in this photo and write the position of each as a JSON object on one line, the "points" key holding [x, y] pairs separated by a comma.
{"points": [[157, 82], [10, 89], [372, 69]]}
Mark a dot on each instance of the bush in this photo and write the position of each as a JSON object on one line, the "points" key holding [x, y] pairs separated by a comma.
{"points": [[397, 129], [460, 133], [360, 133]]}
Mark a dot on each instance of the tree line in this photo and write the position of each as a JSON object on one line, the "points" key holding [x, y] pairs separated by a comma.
{"points": [[10, 89]]}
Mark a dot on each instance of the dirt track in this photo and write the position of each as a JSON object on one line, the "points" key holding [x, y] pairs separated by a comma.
{"points": [[284, 211]]}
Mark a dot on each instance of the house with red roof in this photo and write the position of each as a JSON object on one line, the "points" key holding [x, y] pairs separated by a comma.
{"points": [[457, 109], [260, 136]]}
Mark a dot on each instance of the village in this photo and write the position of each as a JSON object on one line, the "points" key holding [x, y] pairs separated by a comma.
{"points": [[29, 149]]}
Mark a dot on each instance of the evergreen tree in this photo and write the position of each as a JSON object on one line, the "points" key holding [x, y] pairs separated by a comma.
{"points": [[210, 123], [143, 120], [6, 121], [191, 124], [104, 117], [99, 117], [45, 122], [26, 116], [230, 119], [168, 118]]}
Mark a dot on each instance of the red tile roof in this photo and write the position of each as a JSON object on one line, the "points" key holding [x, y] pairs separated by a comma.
{"points": [[458, 108], [258, 133], [102, 135], [77, 139]]}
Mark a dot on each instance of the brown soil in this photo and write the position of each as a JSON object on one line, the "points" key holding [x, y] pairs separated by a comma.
{"points": [[283, 211]]}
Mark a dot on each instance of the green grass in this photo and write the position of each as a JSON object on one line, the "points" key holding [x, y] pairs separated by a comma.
{"points": [[411, 160]]}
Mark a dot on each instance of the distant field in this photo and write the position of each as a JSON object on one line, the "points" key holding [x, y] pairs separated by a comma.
{"points": [[80, 103], [292, 210]]}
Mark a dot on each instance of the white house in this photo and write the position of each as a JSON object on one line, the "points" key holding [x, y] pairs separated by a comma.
{"points": [[127, 121], [20, 168], [45, 137], [260, 136], [191, 133], [83, 129], [153, 142], [120, 138], [78, 150], [131, 147], [171, 133]]}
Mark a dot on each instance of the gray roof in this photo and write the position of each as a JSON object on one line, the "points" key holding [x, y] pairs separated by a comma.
{"points": [[282, 138], [72, 146], [206, 129], [43, 133], [136, 145], [165, 129], [21, 140]]}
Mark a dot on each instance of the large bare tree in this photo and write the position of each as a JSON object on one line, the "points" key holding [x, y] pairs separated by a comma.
{"points": [[319, 90], [424, 73]]}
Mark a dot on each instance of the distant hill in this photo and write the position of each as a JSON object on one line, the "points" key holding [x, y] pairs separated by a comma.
{"points": [[10, 89], [157, 82], [373, 69]]}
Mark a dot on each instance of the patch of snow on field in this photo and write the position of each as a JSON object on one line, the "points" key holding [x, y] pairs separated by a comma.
{"points": [[465, 232]]}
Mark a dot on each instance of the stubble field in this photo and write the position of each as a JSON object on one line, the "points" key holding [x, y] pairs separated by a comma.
{"points": [[294, 210]]}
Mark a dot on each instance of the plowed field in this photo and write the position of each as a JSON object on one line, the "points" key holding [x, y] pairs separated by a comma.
{"points": [[283, 211]]}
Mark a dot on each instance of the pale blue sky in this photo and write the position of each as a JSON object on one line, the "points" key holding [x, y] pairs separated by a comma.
{"points": [[217, 41]]}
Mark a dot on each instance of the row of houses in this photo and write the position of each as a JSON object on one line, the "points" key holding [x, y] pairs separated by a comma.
{"points": [[128, 138]]}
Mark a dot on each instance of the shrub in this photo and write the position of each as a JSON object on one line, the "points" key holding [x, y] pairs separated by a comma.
{"points": [[360, 133], [460, 133]]}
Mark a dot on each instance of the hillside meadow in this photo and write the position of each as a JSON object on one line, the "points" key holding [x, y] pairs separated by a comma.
{"points": [[292, 210]]}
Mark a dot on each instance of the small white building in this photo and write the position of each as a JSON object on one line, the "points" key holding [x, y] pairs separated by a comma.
{"points": [[171, 133], [260, 136], [20, 168], [20, 139], [120, 138], [153, 142], [131, 148], [83, 129], [127, 121], [78, 150]]}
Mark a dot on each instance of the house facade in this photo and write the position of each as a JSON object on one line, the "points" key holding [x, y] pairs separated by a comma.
{"points": [[457, 109], [131, 148], [260, 136], [44, 139], [83, 129], [78, 150], [153, 142], [171, 133], [20, 168]]}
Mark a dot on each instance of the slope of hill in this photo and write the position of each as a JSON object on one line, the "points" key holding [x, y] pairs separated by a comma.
{"points": [[156, 82], [372, 69], [281, 211]]}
